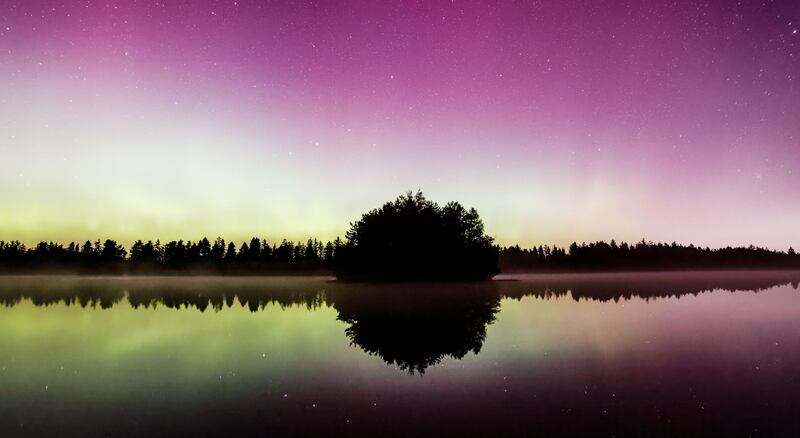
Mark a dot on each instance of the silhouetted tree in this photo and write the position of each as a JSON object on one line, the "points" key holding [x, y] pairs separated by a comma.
{"points": [[299, 251], [412, 238], [329, 252], [284, 252], [144, 255], [218, 250], [255, 249], [204, 248], [230, 254], [310, 253], [266, 252], [244, 252]]}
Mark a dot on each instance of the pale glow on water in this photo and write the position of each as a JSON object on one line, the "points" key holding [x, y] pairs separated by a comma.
{"points": [[289, 366]]}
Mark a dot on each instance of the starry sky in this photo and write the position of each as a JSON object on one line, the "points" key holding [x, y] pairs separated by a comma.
{"points": [[558, 121]]}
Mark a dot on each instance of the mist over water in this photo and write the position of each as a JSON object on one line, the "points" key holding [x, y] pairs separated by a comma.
{"points": [[698, 353]]}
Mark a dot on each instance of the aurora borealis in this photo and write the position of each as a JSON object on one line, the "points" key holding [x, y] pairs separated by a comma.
{"points": [[558, 121]]}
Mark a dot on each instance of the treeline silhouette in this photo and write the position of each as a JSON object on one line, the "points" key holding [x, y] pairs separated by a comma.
{"points": [[643, 255], [258, 256], [201, 257]]}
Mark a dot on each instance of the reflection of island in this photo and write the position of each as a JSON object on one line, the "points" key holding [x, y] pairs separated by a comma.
{"points": [[411, 326], [416, 326]]}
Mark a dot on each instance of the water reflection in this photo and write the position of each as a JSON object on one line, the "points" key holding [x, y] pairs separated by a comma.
{"points": [[438, 301], [539, 354], [647, 286], [415, 326], [410, 326], [174, 292]]}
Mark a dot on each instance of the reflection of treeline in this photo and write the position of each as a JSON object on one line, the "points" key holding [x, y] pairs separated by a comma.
{"points": [[408, 326], [642, 256], [645, 285], [208, 293], [411, 326], [432, 299], [199, 293], [202, 256]]}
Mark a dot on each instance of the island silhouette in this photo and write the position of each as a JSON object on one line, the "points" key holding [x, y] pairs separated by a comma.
{"points": [[408, 239], [413, 238]]}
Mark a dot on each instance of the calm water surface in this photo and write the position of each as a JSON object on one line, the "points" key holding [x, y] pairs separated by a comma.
{"points": [[698, 353]]}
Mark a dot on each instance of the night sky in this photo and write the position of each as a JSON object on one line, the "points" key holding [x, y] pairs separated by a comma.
{"points": [[558, 121]]}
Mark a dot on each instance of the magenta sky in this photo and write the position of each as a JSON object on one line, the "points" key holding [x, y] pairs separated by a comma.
{"points": [[558, 120]]}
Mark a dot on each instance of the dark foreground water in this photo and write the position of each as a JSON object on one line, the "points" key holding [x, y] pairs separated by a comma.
{"points": [[668, 354]]}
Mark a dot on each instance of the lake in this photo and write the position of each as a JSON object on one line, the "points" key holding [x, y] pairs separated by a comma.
{"points": [[697, 353]]}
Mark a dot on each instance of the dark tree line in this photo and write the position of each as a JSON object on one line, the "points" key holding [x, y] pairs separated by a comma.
{"points": [[203, 256], [602, 256], [259, 256]]}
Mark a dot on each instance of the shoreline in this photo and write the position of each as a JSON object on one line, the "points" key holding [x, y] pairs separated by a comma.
{"points": [[330, 275]]}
